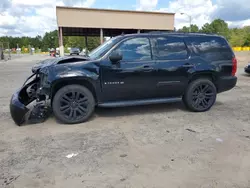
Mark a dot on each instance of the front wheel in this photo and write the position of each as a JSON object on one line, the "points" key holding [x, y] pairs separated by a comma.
{"points": [[200, 95], [73, 104]]}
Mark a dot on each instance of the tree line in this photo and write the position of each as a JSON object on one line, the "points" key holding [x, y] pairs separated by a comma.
{"points": [[239, 37], [49, 40]]}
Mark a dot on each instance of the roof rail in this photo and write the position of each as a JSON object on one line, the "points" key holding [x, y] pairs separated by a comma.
{"points": [[181, 33]]}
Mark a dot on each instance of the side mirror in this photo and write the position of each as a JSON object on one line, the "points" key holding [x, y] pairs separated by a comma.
{"points": [[115, 57]]}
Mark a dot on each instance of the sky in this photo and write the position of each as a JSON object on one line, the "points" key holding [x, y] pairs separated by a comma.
{"points": [[35, 17]]}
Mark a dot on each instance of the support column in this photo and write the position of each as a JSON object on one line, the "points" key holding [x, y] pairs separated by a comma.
{"points": [[61, 48], [138, 31], [86, 45], [101, 36]]}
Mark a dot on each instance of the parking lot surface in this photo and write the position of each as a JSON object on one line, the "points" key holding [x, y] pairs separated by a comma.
{"points": [[147, 146]]}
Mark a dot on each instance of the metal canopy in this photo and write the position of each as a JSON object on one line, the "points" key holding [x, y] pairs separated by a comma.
{"points": [[113, 19], [74, 31], [86, 22]]}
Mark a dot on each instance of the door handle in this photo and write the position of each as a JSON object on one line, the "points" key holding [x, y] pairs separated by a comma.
{"points": [[147, 68], [188, 65]]}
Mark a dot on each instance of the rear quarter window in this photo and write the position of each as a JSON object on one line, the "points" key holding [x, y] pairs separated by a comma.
{"points": [[211, 48]]}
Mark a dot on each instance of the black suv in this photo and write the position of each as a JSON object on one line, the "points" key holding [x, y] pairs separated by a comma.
{"points": [[130, 70]]}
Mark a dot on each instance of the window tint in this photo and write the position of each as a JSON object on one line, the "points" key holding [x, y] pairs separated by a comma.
{"points": [[104, 48], [136, 49], [212, 48], [170, 48]]}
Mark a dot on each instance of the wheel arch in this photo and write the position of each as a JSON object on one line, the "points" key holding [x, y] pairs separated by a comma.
{"points": [[211, 75], [58, 84]]}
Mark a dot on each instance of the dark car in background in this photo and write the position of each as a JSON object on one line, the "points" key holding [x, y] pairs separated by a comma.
{"points": [[129, 70], [247, 69], [75, 51]]}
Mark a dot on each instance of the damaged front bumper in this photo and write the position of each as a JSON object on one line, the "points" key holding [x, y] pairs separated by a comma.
{"points": [[27, 104], [17, 109]]}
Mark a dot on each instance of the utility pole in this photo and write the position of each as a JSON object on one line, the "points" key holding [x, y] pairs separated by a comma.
{"points": [[190, 20]]}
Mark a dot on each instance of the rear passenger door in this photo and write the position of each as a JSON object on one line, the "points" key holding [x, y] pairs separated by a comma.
{"points": [[172, 63]]}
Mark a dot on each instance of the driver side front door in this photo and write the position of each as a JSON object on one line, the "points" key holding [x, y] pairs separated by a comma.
{"points": [[134, 77]]}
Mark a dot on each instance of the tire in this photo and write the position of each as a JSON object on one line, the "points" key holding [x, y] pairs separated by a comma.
{"points": [[200, 95], [73, 104]]}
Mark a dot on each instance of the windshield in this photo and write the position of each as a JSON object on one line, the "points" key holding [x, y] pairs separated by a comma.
{"points": [[104, 48]]}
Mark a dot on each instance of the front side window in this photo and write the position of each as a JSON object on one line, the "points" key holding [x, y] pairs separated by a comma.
{"points": [[170, 48], [136, 49], [104, 48]]}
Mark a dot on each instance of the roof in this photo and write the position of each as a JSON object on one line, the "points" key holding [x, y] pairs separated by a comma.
{"points": [[114, 10], [73, 17]]}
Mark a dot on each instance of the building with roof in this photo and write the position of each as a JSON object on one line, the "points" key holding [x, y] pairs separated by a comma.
{"points": [[86, 22]]}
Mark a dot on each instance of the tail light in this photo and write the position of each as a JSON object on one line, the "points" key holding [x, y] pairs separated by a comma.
{"points": [[234, 69]]}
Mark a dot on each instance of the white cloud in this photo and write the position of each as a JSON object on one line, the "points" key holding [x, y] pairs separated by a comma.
{"points": [[239, 23], [7, 20], [79, 3], [4, 5], [32, 2], [232, 10], [88, 3], [235, 13], [32, 17], [199, 10], [147, 4]]}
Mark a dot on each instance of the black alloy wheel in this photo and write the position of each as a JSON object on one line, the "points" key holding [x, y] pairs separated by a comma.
{"points": [[203, 96], [73, 104], [200, 95]]}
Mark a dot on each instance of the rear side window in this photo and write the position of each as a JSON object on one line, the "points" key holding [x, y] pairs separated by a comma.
{"points": [[212, 48], [170, 48]]}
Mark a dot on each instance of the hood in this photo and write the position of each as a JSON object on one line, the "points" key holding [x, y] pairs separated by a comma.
{"points": [[59, 60]]}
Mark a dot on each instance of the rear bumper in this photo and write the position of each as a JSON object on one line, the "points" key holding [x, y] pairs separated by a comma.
{"points": [[247, 69], [226, 83], [18, 110]]}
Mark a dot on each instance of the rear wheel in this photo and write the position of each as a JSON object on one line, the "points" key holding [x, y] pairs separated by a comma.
{"points": [[73, 104], [200, 95]]}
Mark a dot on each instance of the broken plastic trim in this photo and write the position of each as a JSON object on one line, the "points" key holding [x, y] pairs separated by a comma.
{"points": [[21, 100], [28, 79]]}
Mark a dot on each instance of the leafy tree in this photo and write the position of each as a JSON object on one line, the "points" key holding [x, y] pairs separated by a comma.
{"points": [[236, 37], [206, 28], [218, 26], [194, 28], [79, 41], [50, 40], [93, 42]]}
